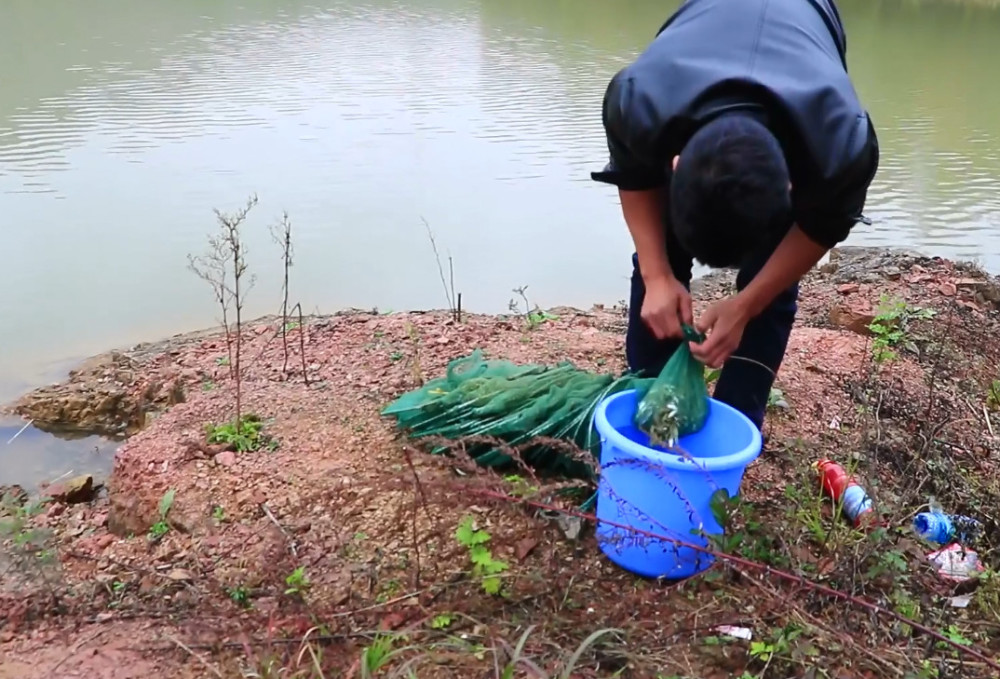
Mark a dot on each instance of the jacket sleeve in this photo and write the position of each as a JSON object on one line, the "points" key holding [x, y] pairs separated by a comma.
{"points": [[625, 169], [828, 212]]}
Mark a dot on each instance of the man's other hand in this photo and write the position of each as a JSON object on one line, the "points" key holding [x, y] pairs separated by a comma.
{"points": [[666, 306], [723, 323]]}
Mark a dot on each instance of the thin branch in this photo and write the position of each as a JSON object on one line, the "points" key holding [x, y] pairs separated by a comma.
{"points": [[447, 293], [204, 663], [288, 536]]}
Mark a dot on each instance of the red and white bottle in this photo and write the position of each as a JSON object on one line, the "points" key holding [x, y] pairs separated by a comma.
{"points": [[843, 488]]}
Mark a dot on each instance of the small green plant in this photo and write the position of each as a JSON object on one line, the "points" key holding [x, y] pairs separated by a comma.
{"points": [[483, 564], [245, 435], [533, 316], [218, 514], [890, 562], [993, 396], [780, 644], [442, 621], [890, 327], [297, 581], [162, 527], [116, 591], [955, 635], [927, 671], [239, 595], [15, 517], [388, 591], [379, 654], [742, 533], [537, 317], [396, 356], [520, 487], [776, 399]]}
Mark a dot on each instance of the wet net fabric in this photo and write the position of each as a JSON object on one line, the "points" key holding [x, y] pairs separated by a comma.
{"points": [[519, 404], [676, 404], [515, 404]]}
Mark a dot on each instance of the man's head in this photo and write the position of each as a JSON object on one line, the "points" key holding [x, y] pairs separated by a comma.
{"points": [[730, 193]]}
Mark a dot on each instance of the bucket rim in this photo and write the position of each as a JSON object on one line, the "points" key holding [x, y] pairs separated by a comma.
{"points": [[672, 460]]}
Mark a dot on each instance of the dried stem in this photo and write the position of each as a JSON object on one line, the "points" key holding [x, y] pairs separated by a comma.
{"points": [[449, 292], [302, 342], [282, 234], [227, 256]]}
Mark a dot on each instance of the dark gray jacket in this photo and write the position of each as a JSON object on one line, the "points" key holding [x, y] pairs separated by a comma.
{"points": [[783, 61]]}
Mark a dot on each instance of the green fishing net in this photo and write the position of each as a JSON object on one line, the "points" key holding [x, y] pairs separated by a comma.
{"points": [[676, 404], [514, 404], [519, 404]]}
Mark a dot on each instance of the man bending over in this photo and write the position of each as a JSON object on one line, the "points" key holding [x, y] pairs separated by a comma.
{"points": [[736, 139]]}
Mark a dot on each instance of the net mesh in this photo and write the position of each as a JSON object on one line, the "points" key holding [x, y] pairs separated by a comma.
{"points": [[676, 404], [518, 404], [514, 404]]}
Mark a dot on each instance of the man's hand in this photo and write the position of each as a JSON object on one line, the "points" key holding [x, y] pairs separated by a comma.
{"points": [[667, 304], [723, 322]]}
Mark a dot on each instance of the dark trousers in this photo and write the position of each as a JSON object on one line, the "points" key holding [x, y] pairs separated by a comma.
{"points": [[742, 384]]}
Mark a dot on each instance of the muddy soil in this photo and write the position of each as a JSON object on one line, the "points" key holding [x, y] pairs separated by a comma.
{"points": [[118, 587]]}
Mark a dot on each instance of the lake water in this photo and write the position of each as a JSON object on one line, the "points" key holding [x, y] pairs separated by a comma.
{"points": [[123, 123]]}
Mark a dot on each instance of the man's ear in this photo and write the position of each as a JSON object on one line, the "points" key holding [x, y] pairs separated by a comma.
{"points": [[674, 165]]}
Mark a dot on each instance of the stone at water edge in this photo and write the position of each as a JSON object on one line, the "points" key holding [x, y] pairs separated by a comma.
{"points": [[15, 495], [79, 489]]}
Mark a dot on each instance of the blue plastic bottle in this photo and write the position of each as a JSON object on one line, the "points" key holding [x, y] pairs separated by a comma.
{"points": [[942, 529]]}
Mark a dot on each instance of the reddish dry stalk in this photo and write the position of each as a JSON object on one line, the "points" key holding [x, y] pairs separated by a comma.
{"points": [[784, 575], [302, 344]]}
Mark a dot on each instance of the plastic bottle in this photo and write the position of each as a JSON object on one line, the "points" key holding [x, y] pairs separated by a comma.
{"points": [[936, 526], [842, 487]]}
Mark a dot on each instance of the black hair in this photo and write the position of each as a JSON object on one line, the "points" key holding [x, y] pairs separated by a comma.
{"points": [[729, 195]]}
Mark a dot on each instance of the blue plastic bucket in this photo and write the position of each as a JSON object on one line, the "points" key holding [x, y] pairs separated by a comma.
{"points": [[663, 492]]}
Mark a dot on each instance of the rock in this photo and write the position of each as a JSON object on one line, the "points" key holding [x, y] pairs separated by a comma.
{"points": [[104, 396], [948, 289], [94, 400], [180, 575], [851, 264], [104, 541], [856, 321], [186, 520], [78, 489], [524, 547], [99, 520], [175, 393], [129, 515], [226, 458], [848, 288], [13, 496]]}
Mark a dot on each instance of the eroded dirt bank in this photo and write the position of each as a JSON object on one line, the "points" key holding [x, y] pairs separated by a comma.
{"points": [[368, 523]]}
